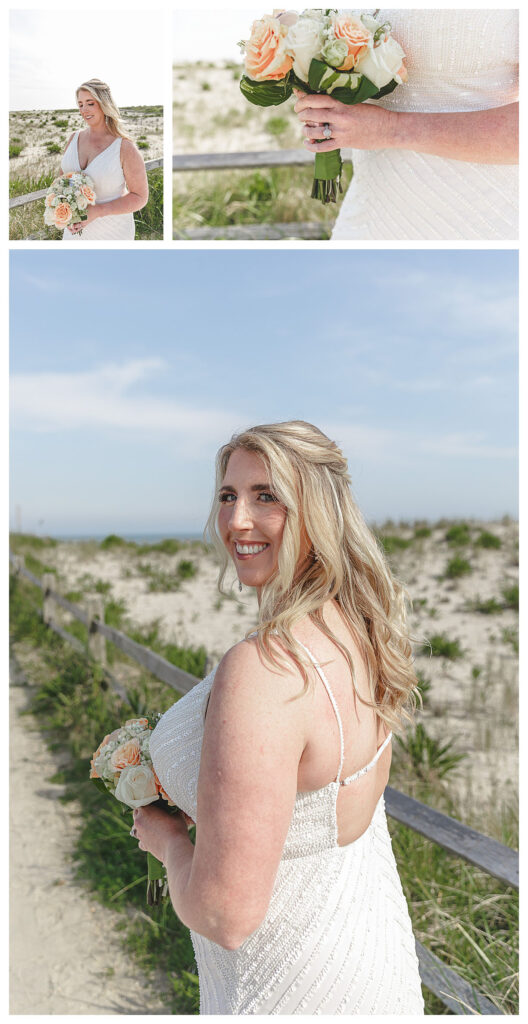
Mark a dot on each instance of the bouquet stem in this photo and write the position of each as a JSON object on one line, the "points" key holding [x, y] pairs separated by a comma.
{"points": [[157, 881], [327, 176]]}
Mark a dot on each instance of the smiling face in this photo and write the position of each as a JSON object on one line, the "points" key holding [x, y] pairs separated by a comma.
{"points": [[251, 519], [90, 109]]}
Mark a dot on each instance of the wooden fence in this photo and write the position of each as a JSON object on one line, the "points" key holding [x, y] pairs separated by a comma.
{"points": [[492, 857], [31, 197], [246, 161]]}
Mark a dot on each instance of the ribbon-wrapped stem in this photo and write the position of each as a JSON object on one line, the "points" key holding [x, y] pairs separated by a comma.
{"points": [[327, 176]]}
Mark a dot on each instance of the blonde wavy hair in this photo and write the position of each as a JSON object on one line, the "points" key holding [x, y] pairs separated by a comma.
{"points": [[308, 474], [101, 92]]}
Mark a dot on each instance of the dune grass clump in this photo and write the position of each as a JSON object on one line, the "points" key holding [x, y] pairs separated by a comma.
{"points": [[392, 543], [486, 539], [440, 646], [113, 541], [421, 532], [511, 596], [168, 546], [485, 607], [457, 567], [458, 535]]}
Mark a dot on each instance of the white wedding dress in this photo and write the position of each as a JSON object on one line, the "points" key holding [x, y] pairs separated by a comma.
{"points": [[337, 937], [106, 172], [458, 60]]}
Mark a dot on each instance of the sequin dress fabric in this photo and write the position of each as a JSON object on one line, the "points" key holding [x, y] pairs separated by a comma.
{"points": [[337, 937], [106, 172], [458, 61]]}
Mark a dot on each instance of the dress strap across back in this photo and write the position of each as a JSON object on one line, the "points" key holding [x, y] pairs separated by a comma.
{"points": [[377, 755]]}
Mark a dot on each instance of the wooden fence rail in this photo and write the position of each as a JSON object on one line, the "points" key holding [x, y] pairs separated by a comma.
{"points": [[243, 161], [31, 197], [490, 856]]}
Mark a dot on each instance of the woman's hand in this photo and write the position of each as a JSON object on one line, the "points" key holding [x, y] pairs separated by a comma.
{"points": [[362, 126], [155, 828], [93, 213]]}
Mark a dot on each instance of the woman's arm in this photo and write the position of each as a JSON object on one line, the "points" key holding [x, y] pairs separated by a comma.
{"points": [[480, 136], [253, 741]]}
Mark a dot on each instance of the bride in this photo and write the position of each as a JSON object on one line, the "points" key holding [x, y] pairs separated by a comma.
{"points": [[108, 155], [282, 753], [435, 159]]}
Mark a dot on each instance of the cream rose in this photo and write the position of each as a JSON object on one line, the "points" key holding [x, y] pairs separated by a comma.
{"points": [[136, 786], [382, 63], [305, 41], [266, 56]]}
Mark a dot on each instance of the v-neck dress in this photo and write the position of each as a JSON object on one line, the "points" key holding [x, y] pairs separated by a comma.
{"points": [[337, 937], [106, 172]]}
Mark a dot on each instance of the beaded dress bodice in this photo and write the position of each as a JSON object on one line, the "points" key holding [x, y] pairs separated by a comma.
{"points": [[458, 61], [317, 949]]}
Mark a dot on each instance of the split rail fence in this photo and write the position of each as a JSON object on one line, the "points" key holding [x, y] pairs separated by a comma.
{"points": [[492, 857], [31, 197], [247, 161]]}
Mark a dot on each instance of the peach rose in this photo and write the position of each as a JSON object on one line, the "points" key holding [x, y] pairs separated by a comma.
{"points": [[63, 215], [143, 722], [50, 198], [266, 57], [89, 194], [128, 753], [162, 792], [355, 35]]}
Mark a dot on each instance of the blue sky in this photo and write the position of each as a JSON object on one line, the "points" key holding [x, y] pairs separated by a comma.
{"points": [[129, 369]]}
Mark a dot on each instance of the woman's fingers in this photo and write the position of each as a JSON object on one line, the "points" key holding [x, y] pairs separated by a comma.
{"points": [[315, 131], [315, 105], [321, 147]]}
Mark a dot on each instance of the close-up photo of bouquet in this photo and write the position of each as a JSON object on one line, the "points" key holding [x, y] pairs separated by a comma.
{"points": [[348, 57], [68, 199]]}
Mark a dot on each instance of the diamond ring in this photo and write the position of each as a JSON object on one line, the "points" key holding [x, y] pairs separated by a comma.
{"points": [[327, 131]]}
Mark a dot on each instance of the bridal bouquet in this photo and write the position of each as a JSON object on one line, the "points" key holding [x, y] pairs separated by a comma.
{"points": [[349, 57], [122, 765], [68, 199]]}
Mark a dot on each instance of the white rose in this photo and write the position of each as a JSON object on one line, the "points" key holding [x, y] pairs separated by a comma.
{"points": [[286, 17], [136, 786], [82, 202], [49, 216], [304, 41], [381, 63]]}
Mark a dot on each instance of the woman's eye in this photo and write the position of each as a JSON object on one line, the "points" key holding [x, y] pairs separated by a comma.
{"points": [[226, 497], [266, 496]]}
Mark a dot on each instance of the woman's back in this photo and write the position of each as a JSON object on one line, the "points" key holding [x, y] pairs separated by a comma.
{"points": [[363, 731], [336, 900]]}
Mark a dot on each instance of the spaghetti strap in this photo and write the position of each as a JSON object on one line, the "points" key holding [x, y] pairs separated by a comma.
{"points": [[328, 689], [363, 771]]}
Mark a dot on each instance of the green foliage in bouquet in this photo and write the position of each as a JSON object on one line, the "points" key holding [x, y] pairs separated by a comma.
{"points": [[347, 87]]}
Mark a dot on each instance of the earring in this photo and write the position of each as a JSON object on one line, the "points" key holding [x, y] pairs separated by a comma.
{"points": [[240, 586]]}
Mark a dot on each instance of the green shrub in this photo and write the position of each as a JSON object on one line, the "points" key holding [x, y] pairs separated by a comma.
{"points": [[441, 647], [429, 757], [205, 86], [487, 607], [277, 125], [186, 569], [62, 124], [390, 543], [52, 147], [458, 534], [112, 541], [511, 596], [456, 567], [149, 220], [15, 149], [422, 532], [169, 546], [141, 144], [488, 540]]}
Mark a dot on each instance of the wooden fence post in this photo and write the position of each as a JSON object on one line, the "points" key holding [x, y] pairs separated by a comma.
{"points": [[48, 610], [96, 641]]}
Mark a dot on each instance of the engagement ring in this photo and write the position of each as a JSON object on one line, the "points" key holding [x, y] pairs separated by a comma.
{"points": [[327, 131]]}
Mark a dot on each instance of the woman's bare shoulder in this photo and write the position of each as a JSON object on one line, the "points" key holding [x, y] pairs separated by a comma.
{"points": [[72, 136], [245, 669]]}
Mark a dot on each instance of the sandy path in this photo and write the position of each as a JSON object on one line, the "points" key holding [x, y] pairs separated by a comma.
{"points": [[63, 946]]}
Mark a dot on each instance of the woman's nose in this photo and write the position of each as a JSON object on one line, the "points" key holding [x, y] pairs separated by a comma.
{"points": [[240, 515]]}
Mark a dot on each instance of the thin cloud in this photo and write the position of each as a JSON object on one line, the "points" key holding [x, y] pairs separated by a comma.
{"points": [[108, 398]]}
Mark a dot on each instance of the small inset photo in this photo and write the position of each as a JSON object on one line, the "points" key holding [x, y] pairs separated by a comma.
{"points": [[85, 129], [351, 126]]}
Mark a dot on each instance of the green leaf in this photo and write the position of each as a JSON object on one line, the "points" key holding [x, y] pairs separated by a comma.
{"points": [[266, 94], [386, 90]]}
